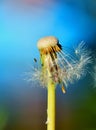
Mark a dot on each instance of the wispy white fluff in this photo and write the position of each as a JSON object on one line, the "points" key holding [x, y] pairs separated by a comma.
{"points": [[69, 67]]}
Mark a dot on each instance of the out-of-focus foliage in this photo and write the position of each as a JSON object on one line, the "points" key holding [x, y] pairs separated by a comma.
{"points": [[3, 118]]}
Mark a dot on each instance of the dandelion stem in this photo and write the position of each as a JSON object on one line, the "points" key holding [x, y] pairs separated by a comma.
{"points": [[58, 67], [51, 106]]}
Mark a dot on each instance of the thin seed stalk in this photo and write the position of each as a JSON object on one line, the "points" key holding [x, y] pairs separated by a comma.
{"points": [[51, 106]]}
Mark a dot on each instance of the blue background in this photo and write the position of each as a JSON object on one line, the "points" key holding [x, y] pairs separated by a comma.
{"points": [[22, 23]]}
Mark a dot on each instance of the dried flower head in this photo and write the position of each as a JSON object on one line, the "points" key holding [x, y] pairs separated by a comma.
{"points": [[60, 66]]}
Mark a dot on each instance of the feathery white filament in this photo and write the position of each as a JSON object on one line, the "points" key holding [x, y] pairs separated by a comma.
{"points": [[69, 68]]}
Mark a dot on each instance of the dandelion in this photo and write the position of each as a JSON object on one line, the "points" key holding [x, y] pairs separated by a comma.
{"points": [[58, 67], [62, 67]]}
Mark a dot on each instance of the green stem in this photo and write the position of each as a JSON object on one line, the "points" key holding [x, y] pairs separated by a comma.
{"points": [[51, 106]]}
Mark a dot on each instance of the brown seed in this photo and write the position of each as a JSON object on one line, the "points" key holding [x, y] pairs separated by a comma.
{"points": [[35, 59], [63, 89]]}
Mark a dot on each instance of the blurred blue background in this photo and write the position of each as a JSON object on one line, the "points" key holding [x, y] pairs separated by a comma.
{"points": [[22, 23]]}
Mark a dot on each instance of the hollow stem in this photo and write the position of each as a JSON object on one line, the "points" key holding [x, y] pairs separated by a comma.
{"points": [[51, 106]]}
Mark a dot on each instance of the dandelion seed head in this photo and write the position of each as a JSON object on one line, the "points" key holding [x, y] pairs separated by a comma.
{"points": [[48, 45], [47, 42], [58, 65]]}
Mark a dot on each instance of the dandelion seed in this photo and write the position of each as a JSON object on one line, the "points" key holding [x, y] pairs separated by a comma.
{"points": [[63, 67], [63, 89], [35, 59]]}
